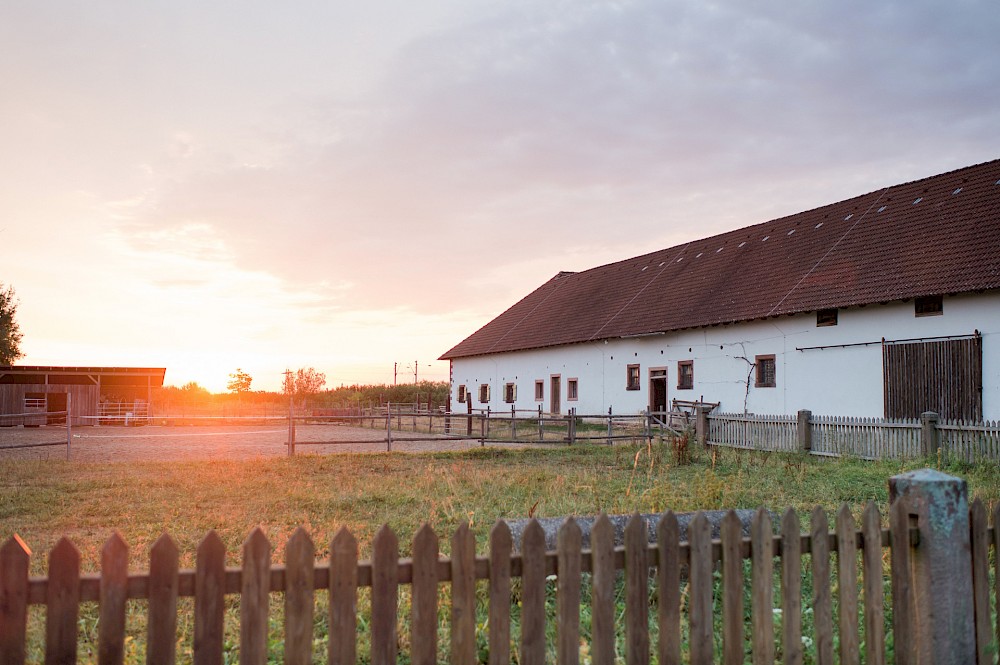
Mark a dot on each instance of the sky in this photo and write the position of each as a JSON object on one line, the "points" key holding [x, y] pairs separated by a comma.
{"points": [[352, 185]]}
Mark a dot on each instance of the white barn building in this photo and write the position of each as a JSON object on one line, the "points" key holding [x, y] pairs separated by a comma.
{"points": [[887, 304]]}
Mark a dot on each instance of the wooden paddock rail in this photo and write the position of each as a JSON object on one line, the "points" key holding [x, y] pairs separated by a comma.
{"points": [[340, 578]]}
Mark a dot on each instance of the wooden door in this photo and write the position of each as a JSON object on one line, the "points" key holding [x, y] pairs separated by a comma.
{"points": [[943, 376], [658, 390]]}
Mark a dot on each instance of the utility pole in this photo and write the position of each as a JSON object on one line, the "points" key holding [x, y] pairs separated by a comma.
{"points": [[395, 371], [416, 365]]}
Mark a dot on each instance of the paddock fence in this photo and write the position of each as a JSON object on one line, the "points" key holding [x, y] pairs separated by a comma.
{"points": [[665, 601], [866, 438], [530, 427]]}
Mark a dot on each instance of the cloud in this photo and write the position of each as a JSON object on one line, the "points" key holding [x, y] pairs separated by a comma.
{"points": [[491, 151]]}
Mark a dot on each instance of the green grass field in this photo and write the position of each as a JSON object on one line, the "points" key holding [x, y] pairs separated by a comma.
{"points": [[44, 500]]}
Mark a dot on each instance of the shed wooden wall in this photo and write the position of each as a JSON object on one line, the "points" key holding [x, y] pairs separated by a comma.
{"points": [[84, 401]]}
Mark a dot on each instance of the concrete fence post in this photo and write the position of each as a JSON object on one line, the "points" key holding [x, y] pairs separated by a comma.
{"points": [[805, 431], [940, 574], [929, 433], [701, 424]]}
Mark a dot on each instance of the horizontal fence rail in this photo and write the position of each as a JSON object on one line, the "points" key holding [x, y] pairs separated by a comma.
{"points": [[686, 598]]}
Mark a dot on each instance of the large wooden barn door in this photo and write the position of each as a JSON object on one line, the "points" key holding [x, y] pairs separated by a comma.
{"points": [[943, 376]]}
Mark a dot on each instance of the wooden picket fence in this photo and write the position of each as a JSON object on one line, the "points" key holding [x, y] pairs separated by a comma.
{"points": [[682, 584], [755, 432], [865, 438], [971, 442]]}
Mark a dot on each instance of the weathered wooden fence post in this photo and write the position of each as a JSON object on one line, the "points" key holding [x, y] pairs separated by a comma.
{"points": [[388, 427], [804, 431], [610, 440], [572, 426], [291, 426], [701, 424], [513, 423], [939, 578], [468, 407], [69, 423], [929, 433], [447, 415], [541, 430]]}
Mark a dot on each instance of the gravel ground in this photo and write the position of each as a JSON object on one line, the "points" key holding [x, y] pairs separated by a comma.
{"points": [[156, 443]]}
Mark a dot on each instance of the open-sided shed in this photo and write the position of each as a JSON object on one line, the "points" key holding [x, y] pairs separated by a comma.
{"points": [[99, 394]]}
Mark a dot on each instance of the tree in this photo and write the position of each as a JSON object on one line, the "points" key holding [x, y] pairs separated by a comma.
{"points": [[10, 332], [303, 382], [239, 382]]}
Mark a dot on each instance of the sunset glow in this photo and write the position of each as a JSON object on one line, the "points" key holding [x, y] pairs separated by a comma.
{"points": [[351, 185]]}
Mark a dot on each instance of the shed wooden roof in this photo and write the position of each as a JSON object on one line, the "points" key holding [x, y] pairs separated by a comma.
{"points": [[935, 236], [123, 376]]}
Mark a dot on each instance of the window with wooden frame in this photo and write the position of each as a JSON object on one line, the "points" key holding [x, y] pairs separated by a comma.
{"points": [[462, 394], [826, 317], [539, 390], [572, 388], [928, 306], [632, 378], [685, 375], [765, 369], [510, 393], [484, 393]]}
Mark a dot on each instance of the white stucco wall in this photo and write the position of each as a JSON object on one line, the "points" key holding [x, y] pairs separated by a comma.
{"points": [[834, 381]]}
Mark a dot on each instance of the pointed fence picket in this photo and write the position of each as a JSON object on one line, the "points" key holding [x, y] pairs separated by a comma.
{"points": [[686, 588]]}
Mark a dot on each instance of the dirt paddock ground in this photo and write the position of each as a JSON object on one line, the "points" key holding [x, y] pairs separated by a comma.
{"points": [[231, 442]]}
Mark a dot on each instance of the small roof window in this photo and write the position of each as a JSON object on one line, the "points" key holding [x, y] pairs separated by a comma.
{"points": [[919, 199]]}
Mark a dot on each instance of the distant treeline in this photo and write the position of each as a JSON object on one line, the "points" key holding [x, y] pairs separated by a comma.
{"points": [[193, 395]]}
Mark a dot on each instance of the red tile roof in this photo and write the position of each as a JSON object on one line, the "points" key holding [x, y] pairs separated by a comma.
{"points": [[939, 235]]}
